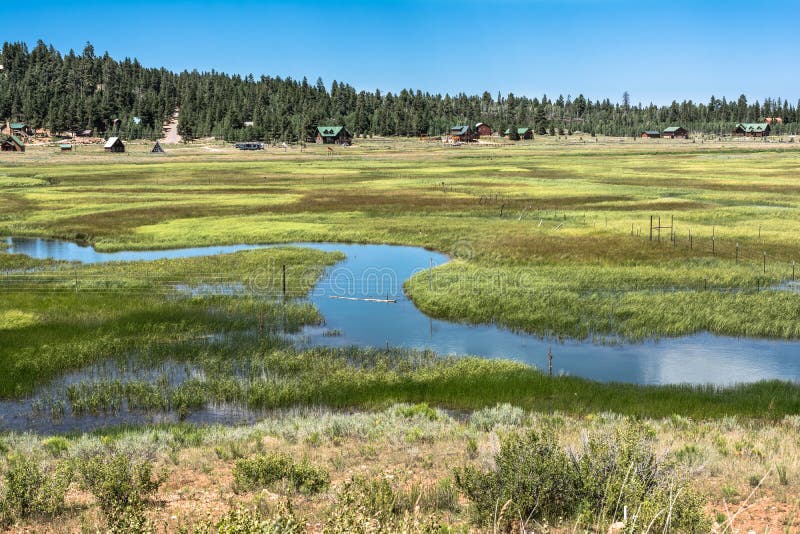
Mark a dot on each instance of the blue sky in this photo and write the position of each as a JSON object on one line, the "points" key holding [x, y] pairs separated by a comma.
{"points": [[656, 50]]}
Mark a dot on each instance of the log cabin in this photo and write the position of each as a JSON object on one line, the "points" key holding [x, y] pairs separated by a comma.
{"points": [[675, 132], [752, 129], [333, 135]]}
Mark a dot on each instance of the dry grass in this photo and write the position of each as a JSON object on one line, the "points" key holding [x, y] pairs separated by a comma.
{"points": [[414, 450]]}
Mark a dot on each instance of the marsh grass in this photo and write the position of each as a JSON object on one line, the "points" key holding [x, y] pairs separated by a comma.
{"points": [[568, 211], [281, 377]]}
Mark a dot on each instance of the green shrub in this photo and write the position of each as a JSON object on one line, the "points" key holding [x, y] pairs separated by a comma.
{"points": [[532, 472], [56, 446], [535, 478], [265, 470], [30, 491], [121, 486], [421, 410], [308, 478], [244, 521]]}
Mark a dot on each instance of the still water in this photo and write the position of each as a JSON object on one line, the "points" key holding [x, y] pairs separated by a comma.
{"points": [[378, 272]]}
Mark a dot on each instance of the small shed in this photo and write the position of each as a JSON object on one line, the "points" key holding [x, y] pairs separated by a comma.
{"points": [[114, 144], [752, 129], [651, 134], [65, 147], [12, 144], [482, 129], [157, 149], [333, 135], [463, 134], [675, 132]]}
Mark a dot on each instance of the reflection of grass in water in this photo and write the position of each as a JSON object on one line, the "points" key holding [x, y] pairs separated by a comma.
{"points": [[265, 375]]}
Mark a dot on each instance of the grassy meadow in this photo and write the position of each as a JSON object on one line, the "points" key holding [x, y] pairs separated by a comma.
{"points": [[556, 225], [549, 237]]}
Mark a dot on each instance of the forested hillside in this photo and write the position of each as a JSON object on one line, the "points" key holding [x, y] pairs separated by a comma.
{"points": [[62, 92]]}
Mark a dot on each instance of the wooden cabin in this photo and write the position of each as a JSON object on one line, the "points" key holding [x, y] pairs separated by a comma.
{"points": [[333, 135], [523, 133], [12, 144], [651, 134], [752, 129], [483, 130], [675, 132], [463, 134], [114, 144]]}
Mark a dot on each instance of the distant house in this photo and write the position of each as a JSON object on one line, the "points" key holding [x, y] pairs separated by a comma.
{"points": [[651, 134], [114, 144], [463, 134], [20, 129], [333, 135], [12, 144], [83, 133], [483, 130], [523, 133], [752, 129], [675, 132]]}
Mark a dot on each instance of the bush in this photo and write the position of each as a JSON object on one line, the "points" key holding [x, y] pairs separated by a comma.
{"points": [[121, 486], [32, 492], [244, 521], [503, 414], [535, 478], [56, 446], [532, 473], [265, 470]]}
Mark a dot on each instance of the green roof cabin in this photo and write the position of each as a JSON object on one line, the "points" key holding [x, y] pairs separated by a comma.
{"points": [[463, 134], [333, 135], [675, 132], [523, 133], [752, 129], [12, 143]]}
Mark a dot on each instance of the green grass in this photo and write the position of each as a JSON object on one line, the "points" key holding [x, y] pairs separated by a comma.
{"points": [[267, 377], [568, 211], [124, 309]]}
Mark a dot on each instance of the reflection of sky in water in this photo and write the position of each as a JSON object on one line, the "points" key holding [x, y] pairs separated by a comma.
{"points": [[378, 271]]}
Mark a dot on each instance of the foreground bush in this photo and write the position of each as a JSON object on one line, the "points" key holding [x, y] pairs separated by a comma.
{"points": [[30, 491], [265, 470], [534, 478], [122, 487]]}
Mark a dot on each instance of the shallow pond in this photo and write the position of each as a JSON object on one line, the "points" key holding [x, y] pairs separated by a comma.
{"points": [[378, 272]]}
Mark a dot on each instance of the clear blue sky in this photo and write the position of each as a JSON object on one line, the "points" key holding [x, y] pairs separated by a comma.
{"points": [[656, 50]]}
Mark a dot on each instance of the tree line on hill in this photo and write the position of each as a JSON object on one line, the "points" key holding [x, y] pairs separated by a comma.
{"points": [[75, 92]]}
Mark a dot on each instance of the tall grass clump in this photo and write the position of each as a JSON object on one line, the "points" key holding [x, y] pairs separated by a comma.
{"points": [[364, 505], [535, 479]]}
